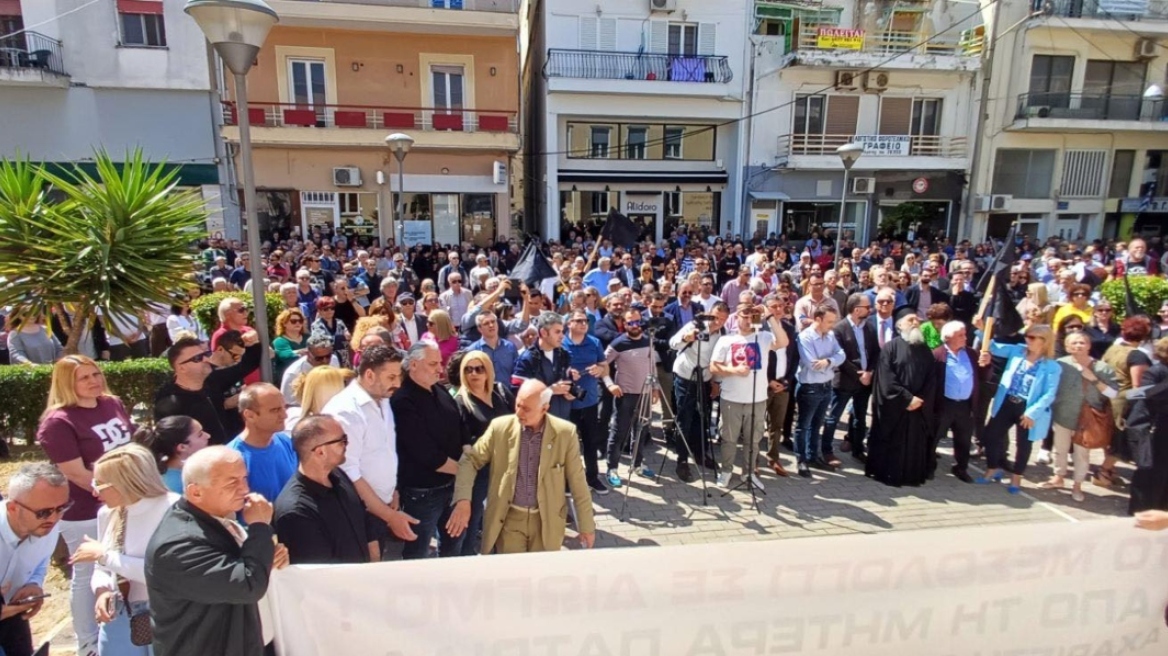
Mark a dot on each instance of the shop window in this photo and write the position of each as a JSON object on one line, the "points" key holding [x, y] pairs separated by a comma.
{"points": [[599, 203]]}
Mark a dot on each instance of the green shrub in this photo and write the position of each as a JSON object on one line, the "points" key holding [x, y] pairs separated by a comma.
{"points": [[206, 310], [26, 390], [1149, 292]]}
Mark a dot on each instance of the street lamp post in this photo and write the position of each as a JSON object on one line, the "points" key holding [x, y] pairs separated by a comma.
{"points": [[400, 145], [237, 30], [848, 154]]}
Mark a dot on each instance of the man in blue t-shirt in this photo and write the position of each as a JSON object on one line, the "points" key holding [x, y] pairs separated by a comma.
{"points": [[587, 357], [267, 449]]}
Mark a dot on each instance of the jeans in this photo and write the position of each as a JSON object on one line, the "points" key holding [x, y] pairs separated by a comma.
{"points": [[997, 434], [813, 403], [472, 540], [689, 420], [839, 402], [114, 638], [431, 507], [587, 422], [622, 425], [81, 597]]}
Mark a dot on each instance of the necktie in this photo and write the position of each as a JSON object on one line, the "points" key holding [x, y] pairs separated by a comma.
{"points": [[883, 328]]}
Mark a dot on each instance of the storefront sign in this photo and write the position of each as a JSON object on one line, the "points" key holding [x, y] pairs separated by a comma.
{"points": [[416, 232], [319, 216], [921, 185], [884, 144], [636, 207], [1158, 204], [839, 38]]}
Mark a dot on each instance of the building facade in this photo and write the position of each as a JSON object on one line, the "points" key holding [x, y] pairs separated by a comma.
{"points": [[634, 106], [1076, 125], [896, 77], [111, 75], [335, 78]]}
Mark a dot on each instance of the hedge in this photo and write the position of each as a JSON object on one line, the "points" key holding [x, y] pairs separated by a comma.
{"points": [[26, 390], [206, 310], [1149, 291]]}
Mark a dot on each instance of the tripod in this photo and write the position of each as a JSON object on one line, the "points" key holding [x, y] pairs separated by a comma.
{"points": [[703, 419], [751, 451]]}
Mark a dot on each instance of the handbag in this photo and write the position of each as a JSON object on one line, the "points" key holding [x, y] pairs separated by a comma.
{"points": [[141, 630], [1095, 427]]}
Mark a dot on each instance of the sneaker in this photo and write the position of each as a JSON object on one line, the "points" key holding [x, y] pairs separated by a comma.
{"points": [[598, 486], [724, 480], [757, 482], [1044, 457], [645, 472], [803, 470], [614, 479]]}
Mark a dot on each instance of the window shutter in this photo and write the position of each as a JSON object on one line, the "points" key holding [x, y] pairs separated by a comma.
{"points": [[841, 114], [707, 38], [658, 36], [607, 35], [895, 115], [588, 32], [140, 6]]}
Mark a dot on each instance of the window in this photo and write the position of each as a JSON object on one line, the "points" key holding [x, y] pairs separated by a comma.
{"points": [[683, 39], [1050, 80], [673, 142], [599, 203], [307, 83], [447, 84], [1114, 89], [1023, 173], [1122, 165], [146, 30], [635, 145], [926, 117], [673, 203], [809, 115], [350, 202], [446, 4], [600, 140]]}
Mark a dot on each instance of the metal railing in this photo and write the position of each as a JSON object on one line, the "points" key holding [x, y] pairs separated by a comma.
{"points": [[968, 43], [494, 6], [1127, 10], [1089, 106], [31, 50], [825, 144], [375, 117], [599, 65]]}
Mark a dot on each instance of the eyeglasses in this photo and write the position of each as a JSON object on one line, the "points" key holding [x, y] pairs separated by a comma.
{"points": [[1030, 338], [1108, 310], [1081, 294], [407, 303], [239, 309], [197, 358], [45, 513], [633, 324], [343, 439], [327, 308], [98, 488], [577, 321], [476, 369], [319, 358], [296, 321], [883, 302]]}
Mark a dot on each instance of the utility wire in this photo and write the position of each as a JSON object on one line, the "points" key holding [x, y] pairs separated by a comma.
{"points": [[27, 28]]}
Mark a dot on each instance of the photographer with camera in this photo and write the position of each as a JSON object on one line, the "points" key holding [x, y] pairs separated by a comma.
{"points": [[548, 362], [692, 386], [634, 359], [587, 357]]}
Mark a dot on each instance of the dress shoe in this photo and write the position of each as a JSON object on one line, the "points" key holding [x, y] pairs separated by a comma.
{"points": [[820, 463], [845, 446], [860, 456], [833, 462], [710, 463], [777, 467], [803, 470], [961, 475], [684, 473], [788, 444]]}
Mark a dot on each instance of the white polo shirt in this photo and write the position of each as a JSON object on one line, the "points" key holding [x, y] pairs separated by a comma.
{"points": [[372, 450]]}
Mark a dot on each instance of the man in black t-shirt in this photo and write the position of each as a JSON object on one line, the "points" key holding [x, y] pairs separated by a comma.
{"points": [[199, 390]]}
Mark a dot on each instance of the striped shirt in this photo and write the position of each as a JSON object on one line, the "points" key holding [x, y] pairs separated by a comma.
{"points": [[526, 478]]}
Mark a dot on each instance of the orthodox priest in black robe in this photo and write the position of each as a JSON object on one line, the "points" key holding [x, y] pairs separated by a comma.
{"points": [[903, 407]]}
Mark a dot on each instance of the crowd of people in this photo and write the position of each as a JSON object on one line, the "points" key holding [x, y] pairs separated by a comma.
{"points": [[428, 403]]}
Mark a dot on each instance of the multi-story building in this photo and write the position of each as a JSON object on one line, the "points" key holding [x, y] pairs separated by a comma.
{"points": [[634, 105], [114, 75], [1076, 129], [895, 76], [336, 77]]}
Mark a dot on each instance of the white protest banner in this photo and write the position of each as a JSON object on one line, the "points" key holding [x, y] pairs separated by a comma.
{"points": [[1089, 589]]}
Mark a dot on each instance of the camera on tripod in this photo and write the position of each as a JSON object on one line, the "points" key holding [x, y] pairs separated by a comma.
{"points": [[655, 324], [701, 322]]}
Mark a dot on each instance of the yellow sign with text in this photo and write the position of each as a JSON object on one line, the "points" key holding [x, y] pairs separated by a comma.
{"points": [[839, 38]]}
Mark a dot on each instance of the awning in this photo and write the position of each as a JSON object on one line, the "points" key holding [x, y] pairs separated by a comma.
{"points": [[769, 195], [663, 177]]}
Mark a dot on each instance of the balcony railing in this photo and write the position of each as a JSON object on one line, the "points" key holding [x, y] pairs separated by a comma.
{"points": [[288, 115], [31, 50], [1126, 10], [1089, 106], [919, 145], [597, 65], [495, 6], [968, 44]]}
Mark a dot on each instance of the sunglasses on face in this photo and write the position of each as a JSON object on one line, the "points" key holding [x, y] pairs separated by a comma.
{"points": [[1031, 338], [297, 321], [476, 369], [343, 439], [197, 358], [45, 513]]}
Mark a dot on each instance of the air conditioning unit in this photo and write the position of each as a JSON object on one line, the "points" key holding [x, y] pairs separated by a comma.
{"points": [[347, 176], [846, 79], [1000, 202], [663, 5], [981, 203], [863, 185], [1146, 48], [1038, 111], [876, 81]]}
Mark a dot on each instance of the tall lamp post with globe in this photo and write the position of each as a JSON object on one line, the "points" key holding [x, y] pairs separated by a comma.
{"points": [[237, 30], [848, 154], [399, 144]]}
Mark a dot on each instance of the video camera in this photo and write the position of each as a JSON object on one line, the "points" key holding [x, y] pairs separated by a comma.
{"points": [[655, 324], [701, 322]]}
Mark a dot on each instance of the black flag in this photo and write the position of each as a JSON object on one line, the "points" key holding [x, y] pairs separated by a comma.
{"points": [[1130, 307], [532, 267], [620, 230], [1007, 321]]}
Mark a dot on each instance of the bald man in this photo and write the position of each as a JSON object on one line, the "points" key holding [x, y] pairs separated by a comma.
{"points": [[532, 455]]}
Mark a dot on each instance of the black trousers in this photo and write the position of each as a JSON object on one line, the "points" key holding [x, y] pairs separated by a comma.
{"points": [[15, 637], [587, 422], [958, 417], [996, 439]]}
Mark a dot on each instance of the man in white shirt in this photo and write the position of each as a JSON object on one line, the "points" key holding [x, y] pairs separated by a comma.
{"points": [[456, 300], [319, 352], [413, 324], [38, 496], [363, 411]]}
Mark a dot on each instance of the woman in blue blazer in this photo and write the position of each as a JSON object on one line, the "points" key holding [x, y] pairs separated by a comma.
{"points": [[1023, 399]]}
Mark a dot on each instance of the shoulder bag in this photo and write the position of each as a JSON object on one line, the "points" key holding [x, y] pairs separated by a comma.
{"points": [[1095, 427]]}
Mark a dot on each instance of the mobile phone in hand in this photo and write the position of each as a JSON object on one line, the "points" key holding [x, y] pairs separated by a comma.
{"points": [[31, 599]]}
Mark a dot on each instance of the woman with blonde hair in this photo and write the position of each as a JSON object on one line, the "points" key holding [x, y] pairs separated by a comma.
{"points": [[480, 401], [291, 340], [429, 303], [135, 497], [1037, 298], [441, 332], [315, 389], [82, 421]]}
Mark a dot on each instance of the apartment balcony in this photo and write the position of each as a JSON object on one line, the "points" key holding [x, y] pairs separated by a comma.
{"points": [[895, 152], [1089, 112], [577, 71], [31, 59], [356, 126], [468, 17], [1105, 15], [837, 47]]}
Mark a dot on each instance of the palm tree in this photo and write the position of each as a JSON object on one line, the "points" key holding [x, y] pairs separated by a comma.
{"points": [[113, 242]]}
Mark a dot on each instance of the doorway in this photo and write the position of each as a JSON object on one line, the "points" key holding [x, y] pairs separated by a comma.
{"points": [[647, 224]]}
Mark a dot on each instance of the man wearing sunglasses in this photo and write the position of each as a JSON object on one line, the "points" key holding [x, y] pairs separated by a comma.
{"points": [[198, 389], [318, 353], [38, 496], [319, 515]]}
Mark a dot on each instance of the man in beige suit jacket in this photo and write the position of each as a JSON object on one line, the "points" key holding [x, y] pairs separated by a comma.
{"points": [[532, 455]]}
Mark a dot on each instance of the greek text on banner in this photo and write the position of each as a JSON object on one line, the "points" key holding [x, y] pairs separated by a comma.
{"points": [[839, 38]]}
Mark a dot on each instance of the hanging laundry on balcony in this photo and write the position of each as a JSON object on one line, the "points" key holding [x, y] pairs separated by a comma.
{"points": [[687, 69]]}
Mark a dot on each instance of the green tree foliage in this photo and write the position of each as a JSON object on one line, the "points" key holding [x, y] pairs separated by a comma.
{"points": [[1150, 292]]}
